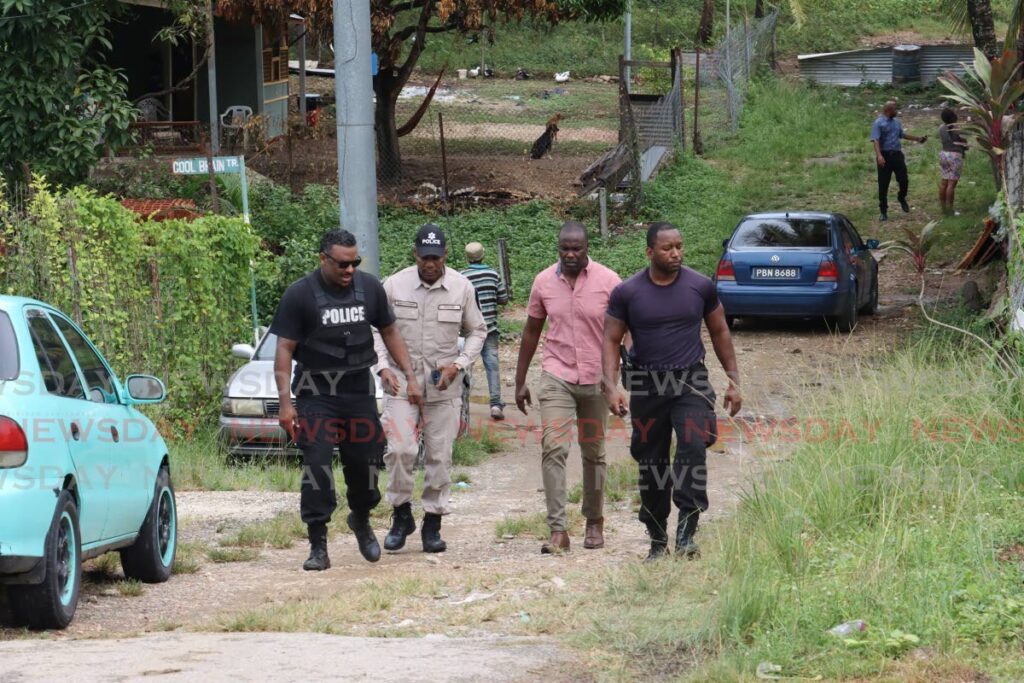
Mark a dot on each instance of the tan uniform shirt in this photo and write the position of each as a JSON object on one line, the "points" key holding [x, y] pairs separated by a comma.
{"points": [[430, 319]]}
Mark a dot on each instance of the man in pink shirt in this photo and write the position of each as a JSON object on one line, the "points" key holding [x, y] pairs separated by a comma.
{"points": [[572, 296]]}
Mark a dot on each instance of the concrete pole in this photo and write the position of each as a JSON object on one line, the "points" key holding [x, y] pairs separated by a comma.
{"points": [[211, 78], [627, 48], [357, 159]]}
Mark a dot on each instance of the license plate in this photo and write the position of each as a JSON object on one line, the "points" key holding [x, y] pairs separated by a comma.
{"points": [[776, 273]]}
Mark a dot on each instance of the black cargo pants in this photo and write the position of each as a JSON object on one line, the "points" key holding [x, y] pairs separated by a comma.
{"points": [[662, 403], [348, 422]]}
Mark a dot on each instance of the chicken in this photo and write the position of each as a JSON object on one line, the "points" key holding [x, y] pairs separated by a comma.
{"points": [[474, 72], [562, 77]]}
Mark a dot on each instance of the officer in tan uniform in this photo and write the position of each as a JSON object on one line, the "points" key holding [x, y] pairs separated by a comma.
{"points": [[432, 305]]}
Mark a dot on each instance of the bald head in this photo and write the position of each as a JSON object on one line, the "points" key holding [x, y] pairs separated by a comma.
{"points": [[572, 248], [573, 229]]}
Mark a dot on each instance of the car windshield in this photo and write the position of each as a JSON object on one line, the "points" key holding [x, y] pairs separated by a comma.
{"points": [[782, 232], [8, 349], [267, 348]]}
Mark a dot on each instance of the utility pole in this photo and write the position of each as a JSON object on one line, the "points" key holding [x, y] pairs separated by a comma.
{"points": [[627, 48], [211, 78], [357, 165]]}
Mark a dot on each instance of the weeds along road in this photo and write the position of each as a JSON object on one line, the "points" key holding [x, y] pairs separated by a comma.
{"points": [[491, 606]]}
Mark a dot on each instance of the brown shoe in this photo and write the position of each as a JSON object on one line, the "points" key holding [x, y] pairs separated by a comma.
{"points": [[558, 544], [594, 535]]}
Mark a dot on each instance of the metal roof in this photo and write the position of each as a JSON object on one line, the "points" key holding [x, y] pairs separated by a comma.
{"points": [[874, 65]]}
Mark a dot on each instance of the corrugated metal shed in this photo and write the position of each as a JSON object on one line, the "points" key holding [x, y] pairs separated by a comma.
{"points": [[935, 59], [874, 65]]}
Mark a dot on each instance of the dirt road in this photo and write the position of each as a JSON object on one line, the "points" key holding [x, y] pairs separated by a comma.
{"points": [[467, 608]]}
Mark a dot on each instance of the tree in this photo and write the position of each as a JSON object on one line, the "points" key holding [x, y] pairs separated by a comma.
{"points": [[706, 28], [400, 29], [60, 104], [977, 14]]}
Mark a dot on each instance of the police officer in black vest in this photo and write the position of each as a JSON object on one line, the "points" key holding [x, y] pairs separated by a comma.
{"points": [[323, 323]]}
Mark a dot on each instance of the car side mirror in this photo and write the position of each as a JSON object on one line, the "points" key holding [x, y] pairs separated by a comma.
{"points": [[244, 351], [144, 389], [725, 243], [873, 244]]}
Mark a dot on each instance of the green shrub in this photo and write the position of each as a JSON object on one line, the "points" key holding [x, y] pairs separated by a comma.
{"points": [[166, 298]]}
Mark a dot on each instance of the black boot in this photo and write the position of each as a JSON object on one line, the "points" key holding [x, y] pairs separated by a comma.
{"points": [[431, 534], [318, 559], [659, 541], [402, 524], [359, 523], [685, 530]]}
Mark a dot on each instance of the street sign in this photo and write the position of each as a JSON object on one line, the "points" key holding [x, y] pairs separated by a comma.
{"points": [[199, 165]]}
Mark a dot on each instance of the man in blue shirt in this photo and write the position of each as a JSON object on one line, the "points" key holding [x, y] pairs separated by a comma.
{"points": [[886, 134]]}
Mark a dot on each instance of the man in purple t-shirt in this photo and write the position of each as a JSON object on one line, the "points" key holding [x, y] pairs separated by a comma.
{"points": [[662, 308]]}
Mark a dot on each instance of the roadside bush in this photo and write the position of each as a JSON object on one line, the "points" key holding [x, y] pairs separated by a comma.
{"points": [[162, 298]]}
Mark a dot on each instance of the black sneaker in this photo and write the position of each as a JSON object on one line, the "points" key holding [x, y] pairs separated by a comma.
{"points": [[904, 206], [883, 216], [359, 523], [318, 559], [402, 524]]}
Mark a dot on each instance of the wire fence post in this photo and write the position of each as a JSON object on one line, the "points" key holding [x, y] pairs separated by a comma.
{"points": [[602, 198]]}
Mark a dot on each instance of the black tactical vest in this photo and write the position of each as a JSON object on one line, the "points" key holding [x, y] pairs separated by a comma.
{"points": [[342, 333]]}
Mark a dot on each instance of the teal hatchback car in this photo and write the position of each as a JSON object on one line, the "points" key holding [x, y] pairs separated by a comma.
{"points": [[82, 471]]}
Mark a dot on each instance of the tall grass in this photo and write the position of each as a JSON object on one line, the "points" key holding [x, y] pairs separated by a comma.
{"points": [[910, 523]]}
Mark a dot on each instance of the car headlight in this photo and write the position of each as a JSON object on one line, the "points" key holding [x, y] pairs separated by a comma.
{"points": [[243, 407]]}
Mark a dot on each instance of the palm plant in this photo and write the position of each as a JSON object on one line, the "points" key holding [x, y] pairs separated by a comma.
{"points": [[990, 93]]}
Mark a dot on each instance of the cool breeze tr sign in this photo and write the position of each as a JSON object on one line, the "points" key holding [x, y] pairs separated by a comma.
{"points": [[199, 166]]}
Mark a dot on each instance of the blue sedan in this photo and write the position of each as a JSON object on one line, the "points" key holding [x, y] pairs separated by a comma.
{"points": [[798, 265], [82, 470]]}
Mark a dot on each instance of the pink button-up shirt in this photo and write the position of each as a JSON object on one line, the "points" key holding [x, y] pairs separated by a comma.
{"points": [[575, 315]]}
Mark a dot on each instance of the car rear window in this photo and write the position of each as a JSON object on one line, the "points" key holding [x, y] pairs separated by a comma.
{"points": [[9, 365], [782, 232]]}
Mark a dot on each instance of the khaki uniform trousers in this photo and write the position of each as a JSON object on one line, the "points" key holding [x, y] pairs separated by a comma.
{"points": [[561, 404], [403, 422]]}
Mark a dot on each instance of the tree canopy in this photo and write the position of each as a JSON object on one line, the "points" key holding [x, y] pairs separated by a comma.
{"points": [[59, 102]]}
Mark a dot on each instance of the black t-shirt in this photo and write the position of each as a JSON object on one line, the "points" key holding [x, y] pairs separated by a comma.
{"points": [[298, 316], [665, 320]]}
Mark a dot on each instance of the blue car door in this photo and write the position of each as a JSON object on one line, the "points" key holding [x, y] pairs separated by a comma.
{"points": [[854, 253], [65, 416], [120, 437]]}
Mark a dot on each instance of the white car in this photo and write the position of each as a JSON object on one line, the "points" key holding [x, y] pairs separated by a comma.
{"points": [[250, 408]]}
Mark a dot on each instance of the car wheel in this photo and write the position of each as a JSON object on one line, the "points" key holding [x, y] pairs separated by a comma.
{"points": [[872, 305], [847, 321], [151, 557], [52, 603], [730, 320]]}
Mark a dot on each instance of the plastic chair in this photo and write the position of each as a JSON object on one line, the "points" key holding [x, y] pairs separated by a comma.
{"points": [[234, 121]]}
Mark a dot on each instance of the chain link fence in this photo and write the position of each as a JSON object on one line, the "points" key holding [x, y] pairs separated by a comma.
{"points": [[482, 140], [740, 52]]}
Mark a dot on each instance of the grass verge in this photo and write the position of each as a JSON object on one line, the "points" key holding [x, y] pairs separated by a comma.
{"points": [[914, 529]]}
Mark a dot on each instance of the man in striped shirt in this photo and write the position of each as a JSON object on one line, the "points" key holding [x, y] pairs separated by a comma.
{"points": [[490, 293]]}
